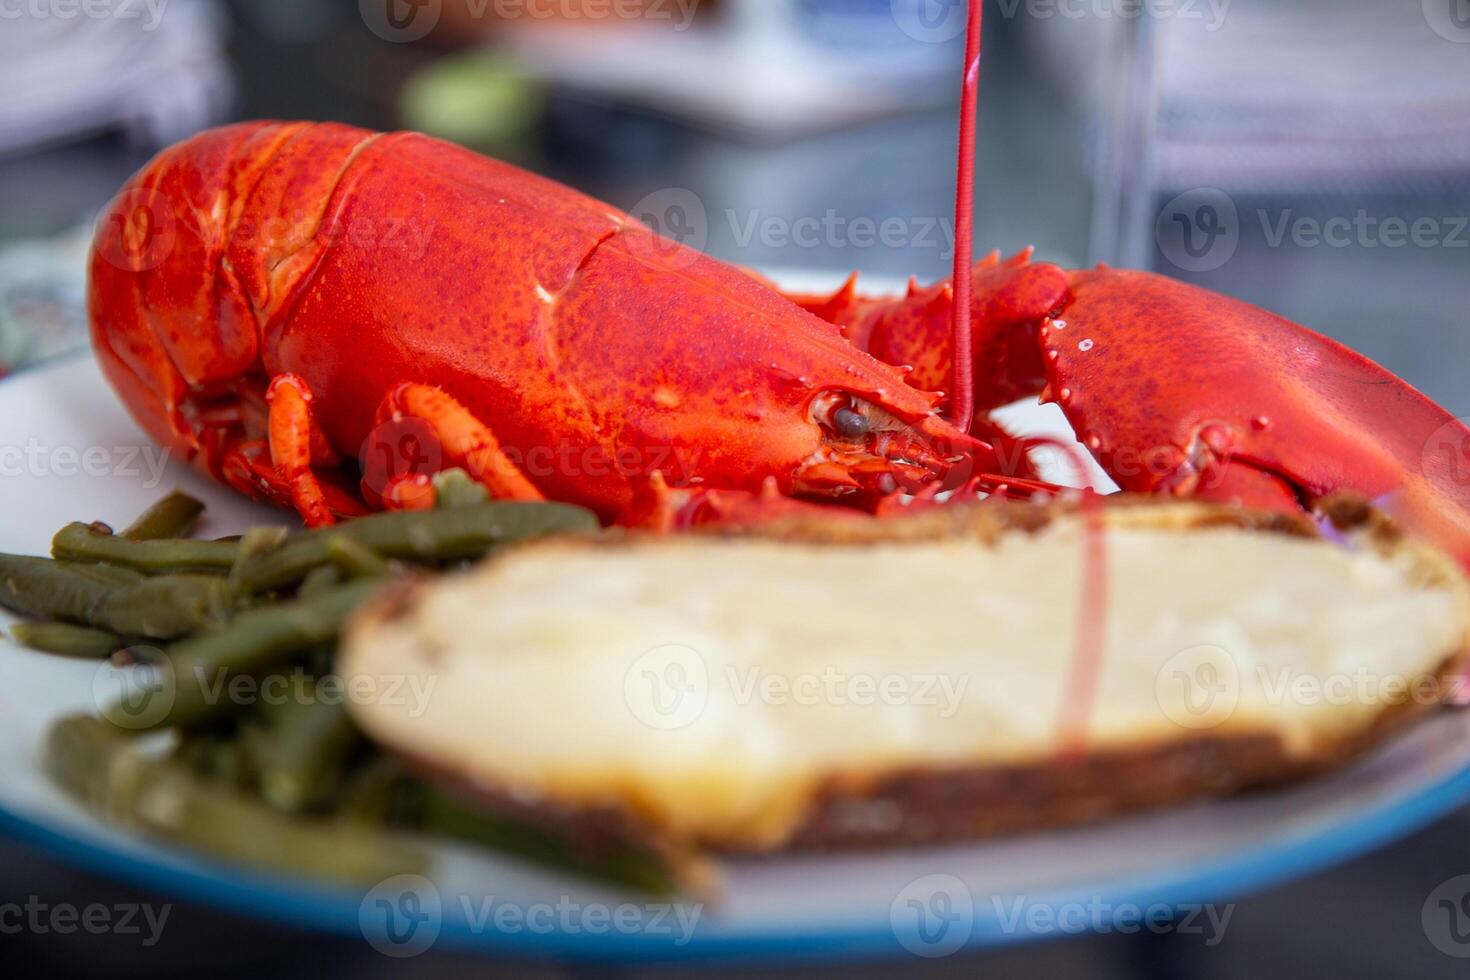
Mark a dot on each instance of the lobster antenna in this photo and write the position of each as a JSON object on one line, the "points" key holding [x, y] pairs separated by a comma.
{"points": [[962, 402]]}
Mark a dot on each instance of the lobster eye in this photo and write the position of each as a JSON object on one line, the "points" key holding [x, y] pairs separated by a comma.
{"points": [[850, 423]]}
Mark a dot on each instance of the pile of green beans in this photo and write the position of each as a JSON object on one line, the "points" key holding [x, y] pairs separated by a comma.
{"points": [[290, 785], [96, 764]]}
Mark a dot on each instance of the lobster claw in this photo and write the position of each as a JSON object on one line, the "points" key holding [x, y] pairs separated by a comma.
{"points": [[1176, 389]]}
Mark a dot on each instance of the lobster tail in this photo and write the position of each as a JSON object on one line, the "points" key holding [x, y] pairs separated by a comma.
{"points": [[167, 313]]}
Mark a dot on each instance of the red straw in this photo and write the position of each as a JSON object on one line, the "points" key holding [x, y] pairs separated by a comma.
{"points": [[1086, 667], [962, 404]]}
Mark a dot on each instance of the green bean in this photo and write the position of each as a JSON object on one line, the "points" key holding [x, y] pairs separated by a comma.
{"points": [[217, 756], [321, 661], [320, 580], [455, 490], [427, 536], [228, 762], [82, 542], [83, 755], [354, 559], [171, 517], [154, 608], [49, 589], [254, 640], [446, 817], [194, 754], [101, 770], [107, 574], [377, 793], [256, 542], [166, 607], [261, 540], [66, 640], [302, 753]]}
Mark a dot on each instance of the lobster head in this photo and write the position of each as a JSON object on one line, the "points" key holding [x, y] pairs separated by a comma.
{"points": [[760, 388]]}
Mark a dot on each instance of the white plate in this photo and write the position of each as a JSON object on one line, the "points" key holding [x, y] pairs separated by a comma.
{"points": [[67, 451]]}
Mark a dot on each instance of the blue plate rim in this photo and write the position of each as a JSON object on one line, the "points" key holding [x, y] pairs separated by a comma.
{"points": [[293, 903]]}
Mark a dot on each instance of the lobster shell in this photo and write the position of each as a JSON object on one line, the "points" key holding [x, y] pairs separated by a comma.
{"points": [[596, 351]]}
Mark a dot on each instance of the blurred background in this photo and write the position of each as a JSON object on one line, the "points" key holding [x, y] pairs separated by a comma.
{"points": [[1312, 157]]}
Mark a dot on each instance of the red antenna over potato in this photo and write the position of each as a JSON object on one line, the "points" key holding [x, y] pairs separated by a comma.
{"points": [[962, 398]]}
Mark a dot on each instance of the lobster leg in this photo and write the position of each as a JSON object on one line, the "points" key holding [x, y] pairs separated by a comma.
{"points": [[246, 466], [466, 441], [291, 442]]}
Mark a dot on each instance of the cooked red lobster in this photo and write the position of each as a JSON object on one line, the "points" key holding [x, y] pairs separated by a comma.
{"points": [[322, 317]]}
